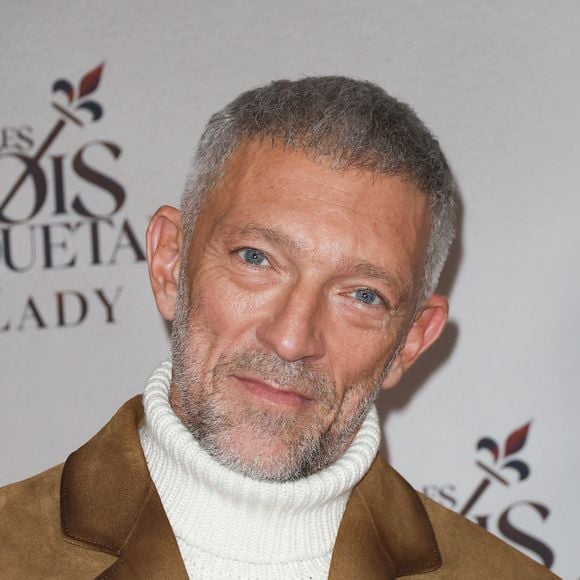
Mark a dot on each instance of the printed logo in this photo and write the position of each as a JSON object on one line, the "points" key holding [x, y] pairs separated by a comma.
{"points": [[59, 210], [501, 468]]}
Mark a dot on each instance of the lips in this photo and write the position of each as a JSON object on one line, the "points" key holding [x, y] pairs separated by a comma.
{"points": [[269, 393]]}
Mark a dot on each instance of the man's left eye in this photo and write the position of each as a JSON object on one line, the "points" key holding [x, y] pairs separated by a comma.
{"points": [[252, 256], [368, 296]]}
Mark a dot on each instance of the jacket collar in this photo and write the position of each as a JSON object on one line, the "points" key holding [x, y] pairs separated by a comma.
{"points": [[385, 531], [110, 504]]}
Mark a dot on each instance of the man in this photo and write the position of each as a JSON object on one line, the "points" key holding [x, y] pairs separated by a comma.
{"points": [[300, 277]]}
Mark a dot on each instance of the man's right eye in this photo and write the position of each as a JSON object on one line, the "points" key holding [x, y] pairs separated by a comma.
{"points": [[252, 256]]}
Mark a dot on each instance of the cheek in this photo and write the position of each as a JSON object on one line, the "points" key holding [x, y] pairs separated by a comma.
{"points": [[360, 357], [223, 307]]}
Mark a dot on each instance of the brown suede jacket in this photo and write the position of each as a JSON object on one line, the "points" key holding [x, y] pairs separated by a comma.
{"points": [[99, 516]]}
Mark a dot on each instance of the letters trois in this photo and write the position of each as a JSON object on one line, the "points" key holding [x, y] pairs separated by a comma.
{"points": [[61, 210]]}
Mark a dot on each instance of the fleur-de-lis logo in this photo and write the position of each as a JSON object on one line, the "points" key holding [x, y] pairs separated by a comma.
{"points": [[514, 442], [77, 100], [502, 461]]}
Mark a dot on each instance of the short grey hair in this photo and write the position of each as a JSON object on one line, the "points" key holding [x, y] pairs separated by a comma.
{"points": [[351, 123]]}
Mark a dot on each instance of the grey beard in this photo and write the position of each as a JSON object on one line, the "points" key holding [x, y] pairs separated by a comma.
{"points": [[212, 421]]}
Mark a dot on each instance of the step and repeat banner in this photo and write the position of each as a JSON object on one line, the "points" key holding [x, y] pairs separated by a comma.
{"points": [[101, 107]]}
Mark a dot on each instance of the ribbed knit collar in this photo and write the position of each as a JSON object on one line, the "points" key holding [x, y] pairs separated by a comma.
{"points": [[232, 516]]}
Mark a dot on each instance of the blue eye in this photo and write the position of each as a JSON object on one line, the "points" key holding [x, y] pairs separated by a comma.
{"points": [[367, 296], [253, 257]]}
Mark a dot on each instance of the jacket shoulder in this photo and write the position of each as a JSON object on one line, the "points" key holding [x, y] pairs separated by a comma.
{"points": [[33, 545], [469, 551]]}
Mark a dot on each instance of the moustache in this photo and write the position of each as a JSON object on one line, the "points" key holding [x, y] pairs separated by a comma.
{"points": [[298, 376]]}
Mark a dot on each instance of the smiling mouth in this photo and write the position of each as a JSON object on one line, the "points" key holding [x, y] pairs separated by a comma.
{"points": [[271, 394]]}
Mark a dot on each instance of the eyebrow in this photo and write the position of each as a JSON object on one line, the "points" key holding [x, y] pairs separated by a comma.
{"points": [[270, 235], [370, 270]]}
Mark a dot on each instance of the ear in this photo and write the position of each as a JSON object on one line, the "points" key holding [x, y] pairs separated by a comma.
{"points": [[164, 251], [424, 331]]}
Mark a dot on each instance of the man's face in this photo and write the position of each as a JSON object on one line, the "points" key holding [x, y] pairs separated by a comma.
{"points": [[299, 288]]}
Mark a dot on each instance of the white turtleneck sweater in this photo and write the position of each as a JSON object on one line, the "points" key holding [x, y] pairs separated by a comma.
{"points": [[230, 526]]}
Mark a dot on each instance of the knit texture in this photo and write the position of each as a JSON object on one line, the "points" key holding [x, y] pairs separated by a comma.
{"points": [[231, 526]]}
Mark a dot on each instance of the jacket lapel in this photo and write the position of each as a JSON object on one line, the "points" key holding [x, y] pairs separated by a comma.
{"points": [[109, 503], [385, 531]]}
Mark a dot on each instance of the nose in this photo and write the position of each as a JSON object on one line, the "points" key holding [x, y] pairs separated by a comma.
{"points": [[293, 327]]}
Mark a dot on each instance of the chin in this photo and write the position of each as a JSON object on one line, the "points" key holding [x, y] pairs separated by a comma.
{"points": [[273, 450]]}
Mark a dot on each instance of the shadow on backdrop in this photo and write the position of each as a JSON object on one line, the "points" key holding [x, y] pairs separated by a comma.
{"points": [[416, 377]]}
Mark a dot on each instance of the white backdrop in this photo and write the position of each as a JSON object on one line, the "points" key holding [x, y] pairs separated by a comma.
{"points": [[497, 83]]}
